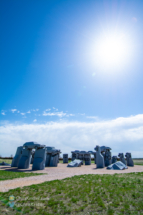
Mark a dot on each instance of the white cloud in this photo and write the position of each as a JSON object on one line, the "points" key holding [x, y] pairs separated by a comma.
{"points": [[13, 110], [3, 112], [56, 109], [29, 111], [59, 114], [92, 117], [121, 134], [18, 111], [35, 120], [70, 114], [22, 114]]}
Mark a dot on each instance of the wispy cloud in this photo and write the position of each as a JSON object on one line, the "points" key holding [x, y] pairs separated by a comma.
{"points": [[55, 113], [59, 114], [92, 117], [124, 134], [17, 111], [13, 110], [3, 112], [70, 114], [56, 109], [35, 120]]}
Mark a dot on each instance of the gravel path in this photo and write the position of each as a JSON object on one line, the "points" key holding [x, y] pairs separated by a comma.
{"points": [[60, 172]]}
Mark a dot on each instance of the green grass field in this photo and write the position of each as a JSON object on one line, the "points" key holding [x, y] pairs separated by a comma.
{"points": [[87, 194], [6, 160], [138, 162], [7, 175]]}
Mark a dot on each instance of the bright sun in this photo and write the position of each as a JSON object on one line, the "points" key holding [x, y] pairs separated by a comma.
{"points": [[112, 50]]}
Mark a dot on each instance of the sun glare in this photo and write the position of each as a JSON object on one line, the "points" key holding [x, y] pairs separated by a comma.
{"points": [[112, 50]]}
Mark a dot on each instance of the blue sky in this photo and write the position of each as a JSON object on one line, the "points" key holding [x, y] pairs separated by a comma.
{"points": [[50, 73]]}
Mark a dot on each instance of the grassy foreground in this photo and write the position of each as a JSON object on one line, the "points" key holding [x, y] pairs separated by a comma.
{"points": [[7, 175], [87, 194]]}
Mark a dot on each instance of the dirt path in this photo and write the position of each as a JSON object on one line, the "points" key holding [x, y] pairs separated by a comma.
{"points": [[59, 172]]}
